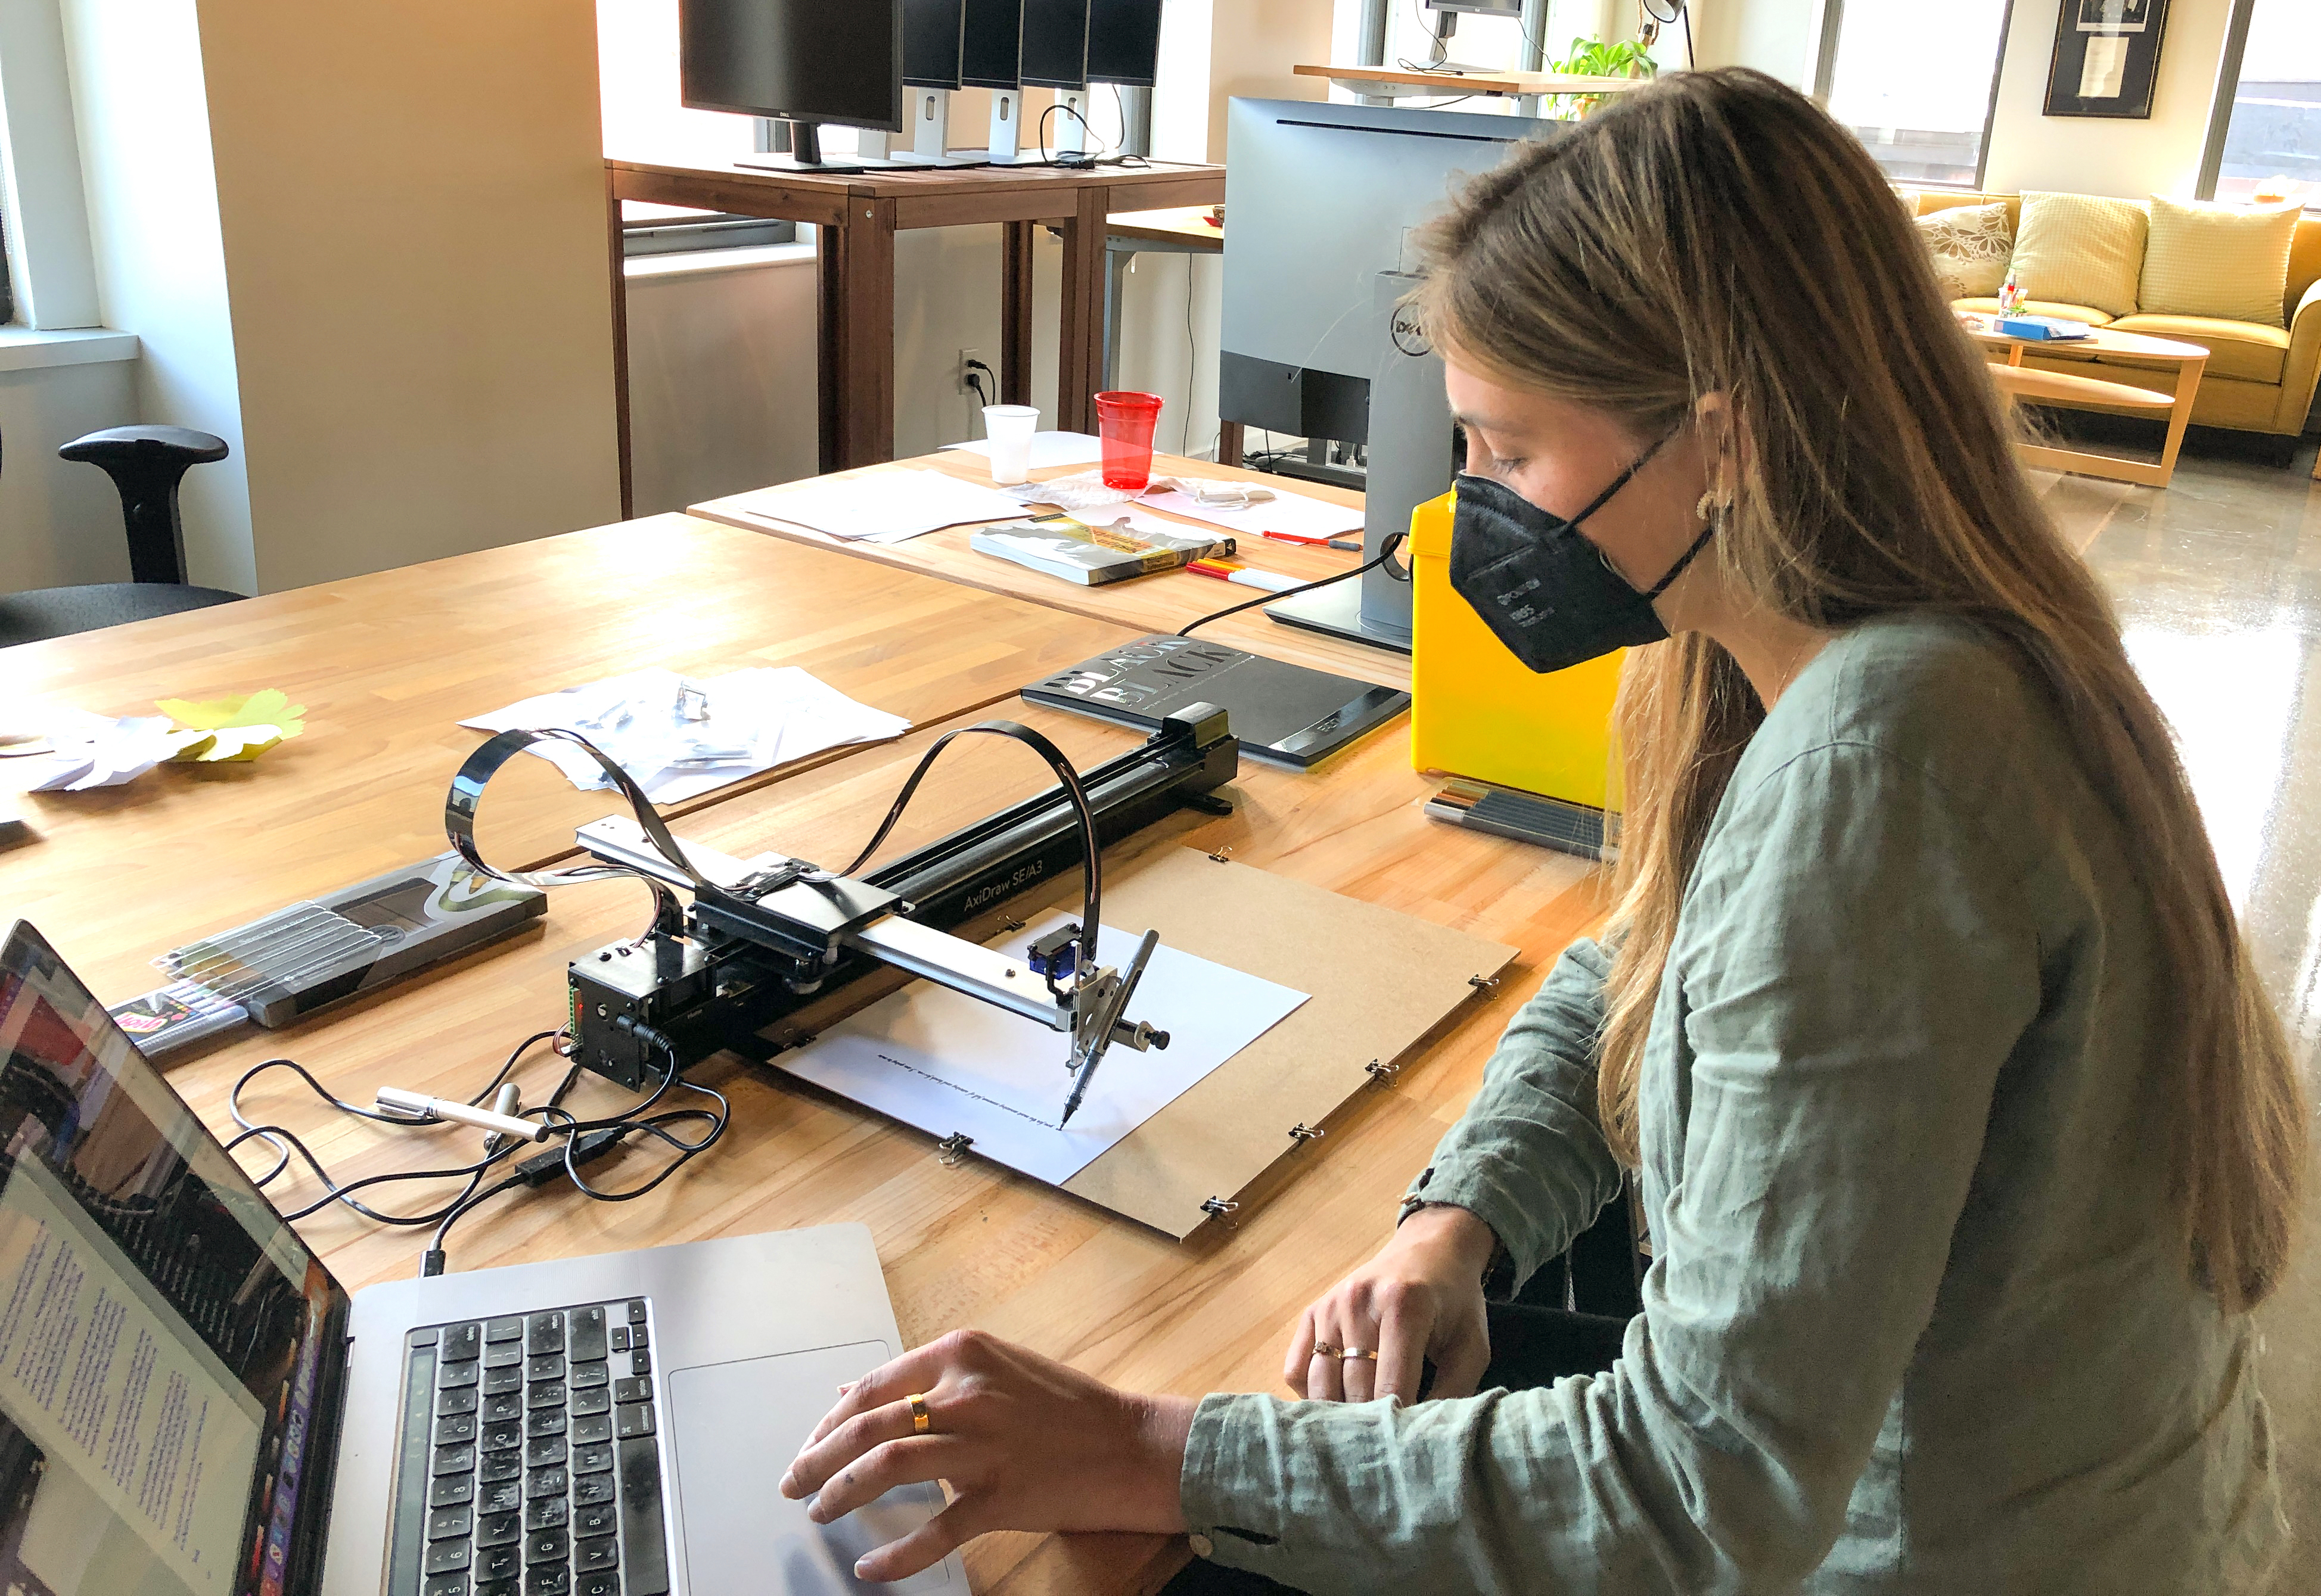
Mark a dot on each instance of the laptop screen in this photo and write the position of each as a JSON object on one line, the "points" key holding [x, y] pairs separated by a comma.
{"points": [[162, 1329]]}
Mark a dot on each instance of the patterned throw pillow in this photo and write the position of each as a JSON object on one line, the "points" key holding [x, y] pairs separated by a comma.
{"points": [[2228, 261], [1971, 245], [2076, 248]]}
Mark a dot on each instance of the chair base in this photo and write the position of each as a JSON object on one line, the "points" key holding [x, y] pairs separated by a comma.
{"points": [[63, 611]]}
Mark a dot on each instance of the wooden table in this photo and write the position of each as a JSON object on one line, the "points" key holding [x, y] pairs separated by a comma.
{"points": [[1180, 230], [974, 1245], [856, 218], [1395, 83], [387, 664], [2045, 385], [1160, 603]]}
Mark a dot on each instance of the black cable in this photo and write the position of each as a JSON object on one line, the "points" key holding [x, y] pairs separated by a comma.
{"points": [[1393, 541], [1091, 847]]}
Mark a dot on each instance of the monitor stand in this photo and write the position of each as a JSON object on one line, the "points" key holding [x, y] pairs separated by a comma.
{"points": [[805, 155], [931, 134], [1336, 611], [1006, 148]]}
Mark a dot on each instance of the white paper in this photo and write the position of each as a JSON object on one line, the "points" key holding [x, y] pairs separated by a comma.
{"points": [[951, 1065], [89, 751], [2104, 70], [1293, 514], [1048, 448], [757, 719], [879, 506]]}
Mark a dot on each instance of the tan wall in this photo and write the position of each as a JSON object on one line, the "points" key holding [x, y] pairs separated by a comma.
{"points": [[412, 203], [1253, 44]]}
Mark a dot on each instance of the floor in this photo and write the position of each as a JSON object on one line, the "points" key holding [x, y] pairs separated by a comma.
{"points": [[2219, 582]]}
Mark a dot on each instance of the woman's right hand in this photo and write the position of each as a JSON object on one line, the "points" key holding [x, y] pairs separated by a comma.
{"points": [[1420, 1301]]}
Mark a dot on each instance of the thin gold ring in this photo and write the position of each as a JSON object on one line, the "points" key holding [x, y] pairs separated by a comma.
{"points": [[1348, 1354], [1324, 1349], [921, 1422]]}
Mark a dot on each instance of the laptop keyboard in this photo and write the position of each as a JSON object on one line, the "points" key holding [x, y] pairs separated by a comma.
{"points": [[529, 1463]]}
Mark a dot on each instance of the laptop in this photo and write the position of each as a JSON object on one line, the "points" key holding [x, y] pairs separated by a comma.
{"points": [[190, 1405]]}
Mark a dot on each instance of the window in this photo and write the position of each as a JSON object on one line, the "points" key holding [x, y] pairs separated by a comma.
{"points": [[1917, 85], [2265, 140]]}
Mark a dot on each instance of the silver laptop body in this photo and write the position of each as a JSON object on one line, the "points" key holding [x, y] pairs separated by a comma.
{"points": [[190, 1406]]}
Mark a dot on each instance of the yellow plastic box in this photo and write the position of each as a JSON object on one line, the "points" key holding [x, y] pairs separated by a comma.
{"points": [[1477, 711]]}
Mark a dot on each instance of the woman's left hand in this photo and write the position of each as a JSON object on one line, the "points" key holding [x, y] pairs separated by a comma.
{"points": [[1025, 1443]]}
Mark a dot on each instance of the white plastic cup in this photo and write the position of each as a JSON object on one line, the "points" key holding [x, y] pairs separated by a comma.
{"points": [[1009, 427]]}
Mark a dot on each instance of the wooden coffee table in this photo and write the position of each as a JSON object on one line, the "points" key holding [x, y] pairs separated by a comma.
{"points": [[2019, 382]]}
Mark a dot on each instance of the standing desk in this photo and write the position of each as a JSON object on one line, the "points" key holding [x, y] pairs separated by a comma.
{"points": [[1159, 603], [856, 218], [385, 665]]}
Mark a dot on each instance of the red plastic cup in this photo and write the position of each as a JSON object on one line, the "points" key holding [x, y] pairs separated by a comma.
{"points": [[1125, 423]]}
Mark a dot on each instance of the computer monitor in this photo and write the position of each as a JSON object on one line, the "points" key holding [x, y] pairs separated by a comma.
{"points": [[806, 62], [1056, 44], [934, 33], [1125, 42], [992, 53]]}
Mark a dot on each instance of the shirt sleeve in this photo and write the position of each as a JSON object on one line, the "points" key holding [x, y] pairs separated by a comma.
{"points": [[1851, 971], [1528, 1158]]}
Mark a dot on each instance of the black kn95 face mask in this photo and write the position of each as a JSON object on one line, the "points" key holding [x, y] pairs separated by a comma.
{"points": [[1542, 588]]}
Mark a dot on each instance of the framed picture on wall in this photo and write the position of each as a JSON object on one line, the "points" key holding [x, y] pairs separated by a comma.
{"points": [[2106, 55]]}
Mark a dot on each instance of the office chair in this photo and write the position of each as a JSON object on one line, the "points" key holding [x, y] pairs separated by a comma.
{"points": [[146, 464]]}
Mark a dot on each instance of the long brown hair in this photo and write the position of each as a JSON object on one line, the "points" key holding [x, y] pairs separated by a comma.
{"points": [[1717, 233]]}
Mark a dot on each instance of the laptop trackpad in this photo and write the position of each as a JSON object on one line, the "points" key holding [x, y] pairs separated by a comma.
{"points": [[735, 1426]]}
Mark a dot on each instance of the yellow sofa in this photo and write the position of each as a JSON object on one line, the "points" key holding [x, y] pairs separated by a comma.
{"points": [[2259, 379]]}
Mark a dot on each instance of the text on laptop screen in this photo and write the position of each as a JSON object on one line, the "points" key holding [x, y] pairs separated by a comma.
{"points": [[160, 1325]]}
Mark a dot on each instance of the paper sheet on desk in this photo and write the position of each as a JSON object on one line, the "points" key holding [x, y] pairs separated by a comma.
{"points": [[949, 1065], [1297, 515], [879, 506], [1048, 448], [760, 718]]}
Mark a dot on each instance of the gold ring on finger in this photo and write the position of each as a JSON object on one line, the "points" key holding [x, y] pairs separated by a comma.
{"points": [[1348, 1354], [921, 1422], [1324, 1349]]}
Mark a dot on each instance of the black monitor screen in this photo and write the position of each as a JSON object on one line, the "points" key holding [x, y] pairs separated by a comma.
{"points": [[1056, 44], [1125, 42], [933, 32], [806, 60], [163, 1331], [993, 54]]}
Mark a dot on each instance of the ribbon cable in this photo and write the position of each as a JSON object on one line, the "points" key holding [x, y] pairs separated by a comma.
{"points": [[468, 792]]}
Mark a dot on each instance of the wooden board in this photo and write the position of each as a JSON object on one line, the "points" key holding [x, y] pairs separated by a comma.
{"points": [[1378, 980], [1160, 603], [1477, 82], [1189, 225], [387, 664]]}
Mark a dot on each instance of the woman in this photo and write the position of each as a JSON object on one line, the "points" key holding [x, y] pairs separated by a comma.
{"points": [[1965, 1136]]}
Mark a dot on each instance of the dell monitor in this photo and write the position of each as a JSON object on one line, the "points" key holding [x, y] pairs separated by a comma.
{"points": [[806, 62], [1125, 42], [1056, 44], [934, 36], [993, 48]]}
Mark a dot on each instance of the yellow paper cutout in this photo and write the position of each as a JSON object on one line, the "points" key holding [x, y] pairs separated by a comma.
{"points": [[243, 727]]}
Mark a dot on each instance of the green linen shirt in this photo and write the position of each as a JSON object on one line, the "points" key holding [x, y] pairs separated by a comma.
{"points": [[1916, 1320]]}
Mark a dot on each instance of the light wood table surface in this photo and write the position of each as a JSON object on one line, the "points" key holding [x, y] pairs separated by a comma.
{"points": [[1177, 224], [2081, 389], [973, 1245], [1359, 78], [1163, 602], [387, 664]]}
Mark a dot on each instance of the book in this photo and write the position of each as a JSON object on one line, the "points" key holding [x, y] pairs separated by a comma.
{"points": [[1284, 714], [2042, 329], [1091, 556]]}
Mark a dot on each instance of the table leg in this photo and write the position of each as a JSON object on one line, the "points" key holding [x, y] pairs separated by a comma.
{"points": [[1080, 360], [1229, 443], [857, 366], [1015, 315], [1119, 256], [2187, 387], [620, 288]]}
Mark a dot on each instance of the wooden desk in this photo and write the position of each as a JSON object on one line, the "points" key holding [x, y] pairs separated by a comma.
{"points": [[1182, 229], [1161, 602], [387, 664], [1399, 83], [973, 1245], [2079, 390], [856, 219]]}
